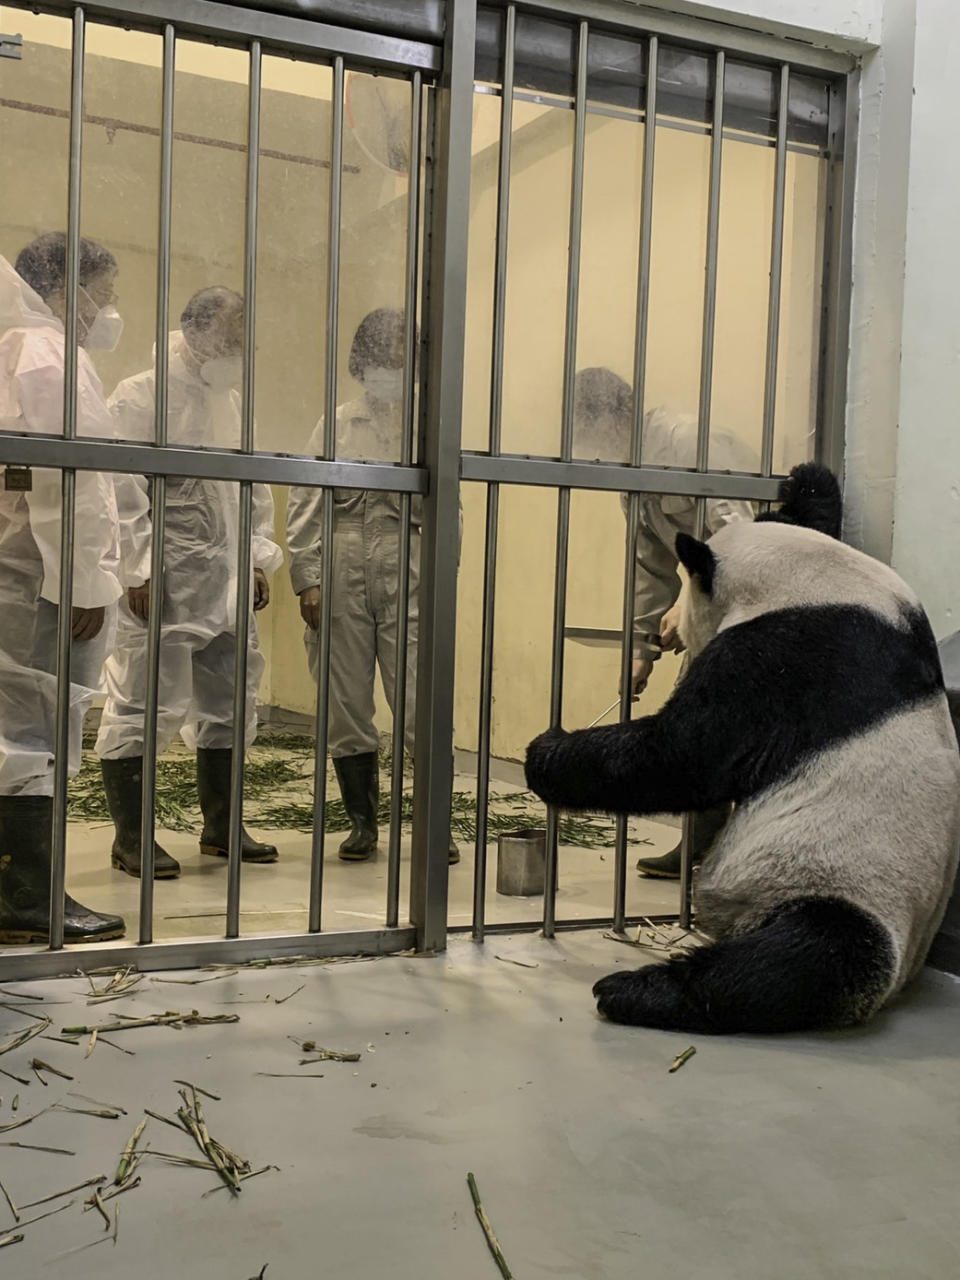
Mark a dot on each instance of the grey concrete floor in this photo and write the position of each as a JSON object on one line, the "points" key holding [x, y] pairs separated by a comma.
{"points": [[827, 1156]]}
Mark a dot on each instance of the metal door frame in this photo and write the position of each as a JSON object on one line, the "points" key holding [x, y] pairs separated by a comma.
{"points": [[435, 476]]}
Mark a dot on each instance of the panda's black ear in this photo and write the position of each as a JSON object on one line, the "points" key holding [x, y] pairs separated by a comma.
{"points": [[698, 560]]}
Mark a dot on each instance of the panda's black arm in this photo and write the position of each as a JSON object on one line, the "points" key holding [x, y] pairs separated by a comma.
{"points": [[726, 731]]}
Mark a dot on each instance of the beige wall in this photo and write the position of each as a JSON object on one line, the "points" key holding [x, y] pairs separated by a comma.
{"points": [[120, 199]]}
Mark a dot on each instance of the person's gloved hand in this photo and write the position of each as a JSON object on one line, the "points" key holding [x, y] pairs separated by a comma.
{"points": [[640, 673], [261, 592], [86, 623], [669, 633], [310, 607], [138, 598]]}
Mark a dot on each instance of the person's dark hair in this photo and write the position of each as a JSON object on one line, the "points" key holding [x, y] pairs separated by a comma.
{"points": [[207, 305], [601, 393], [378, 341], [43, 263]]}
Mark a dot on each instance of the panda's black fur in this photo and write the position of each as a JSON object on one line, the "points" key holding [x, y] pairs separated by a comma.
{"points": [[815, 703]]}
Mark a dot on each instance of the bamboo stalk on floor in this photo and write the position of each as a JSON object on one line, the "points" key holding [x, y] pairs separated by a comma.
{"points": [[492, 1242], [123, 1168], [13, 1208]]}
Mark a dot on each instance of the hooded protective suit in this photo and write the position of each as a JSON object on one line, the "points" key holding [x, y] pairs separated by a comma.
{"points": [[31, 400], [670, 440], [200, 574], [366, 575]]}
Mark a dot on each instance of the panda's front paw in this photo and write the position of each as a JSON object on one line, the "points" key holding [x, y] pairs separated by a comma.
{"points": [[620, 995], [543, 763]]}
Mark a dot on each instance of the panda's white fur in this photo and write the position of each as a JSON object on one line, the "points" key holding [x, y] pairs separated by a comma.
{"points": [[815, 703], [874, 819]]}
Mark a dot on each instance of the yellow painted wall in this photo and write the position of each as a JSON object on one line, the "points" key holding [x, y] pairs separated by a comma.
{"points": [[120, 193]]}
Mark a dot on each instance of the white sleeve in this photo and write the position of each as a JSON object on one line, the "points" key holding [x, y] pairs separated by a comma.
{"points": [[304, 507], [266, 554]]}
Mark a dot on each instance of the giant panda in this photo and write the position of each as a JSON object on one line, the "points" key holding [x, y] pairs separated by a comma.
{"points": [[814, 702]]}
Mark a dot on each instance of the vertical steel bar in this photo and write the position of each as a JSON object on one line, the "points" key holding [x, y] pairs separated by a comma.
{"points": [[245, 522], [841, 181], [636, 449], [776, 276], [566, 449], [61, 758], [326, 533], [449, 166], [158, 495], [706, 397], [493, 490], [406, 454]]}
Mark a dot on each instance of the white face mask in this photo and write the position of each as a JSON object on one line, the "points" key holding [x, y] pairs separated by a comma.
{"points": [[385, 385], [105, 330], [223, 373]]}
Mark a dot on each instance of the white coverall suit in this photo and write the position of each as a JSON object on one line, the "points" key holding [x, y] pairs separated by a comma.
{"points": [[198, 636], [31, 400], [670, 440], [366, 575]]}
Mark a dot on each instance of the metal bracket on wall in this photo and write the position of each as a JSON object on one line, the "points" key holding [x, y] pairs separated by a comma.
{"points": [[11, 46]]}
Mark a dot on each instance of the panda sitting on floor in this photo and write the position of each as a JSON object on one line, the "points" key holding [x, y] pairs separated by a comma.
{"points": [[815, 703]]}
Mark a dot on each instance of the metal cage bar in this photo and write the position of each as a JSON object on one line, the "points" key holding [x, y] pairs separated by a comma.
{"points": [[706, 401], [406, 453], [566, 449], [448, 164], [492, 525], [158, 498], [318, 840], [245, 522], [636, 451], [776, 276], [61, 757]]}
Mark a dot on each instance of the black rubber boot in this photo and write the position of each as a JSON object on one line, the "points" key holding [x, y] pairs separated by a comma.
{"points": [[213, 787], [359, 779], [122, 780], [26, 823], [706, 827]]}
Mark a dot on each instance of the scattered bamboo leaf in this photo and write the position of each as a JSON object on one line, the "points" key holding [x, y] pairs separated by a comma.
{"points": [[98, 1205], [172, 1018], [16, 1099], [62, 1039], [28, 1033], [18, 1124], [681, 1058], [29, 1146], [114, 1191], [492, 1242], [124, 1166], [155, 1115], [522, 963], [292, 1075], [13, 1208], [243, 1178], [19, 995], [323, 1055], [99, 1114], [93, 1042], [39, 1065], [189, 1162], [95, 1102], [129, 1052], [14, 1237], [11, 1076], [81, 1186], [49, 1214], [206, 1092], [195, 982], [284, 999]]}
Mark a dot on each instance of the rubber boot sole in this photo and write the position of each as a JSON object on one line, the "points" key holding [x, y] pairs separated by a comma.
{"points": [[117, 863], [214, 851], [27, 937]]}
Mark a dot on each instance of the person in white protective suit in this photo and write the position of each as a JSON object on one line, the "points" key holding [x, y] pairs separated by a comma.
{"points": [[32, 311], [366, 574], [198, 635], [603, 423]]}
